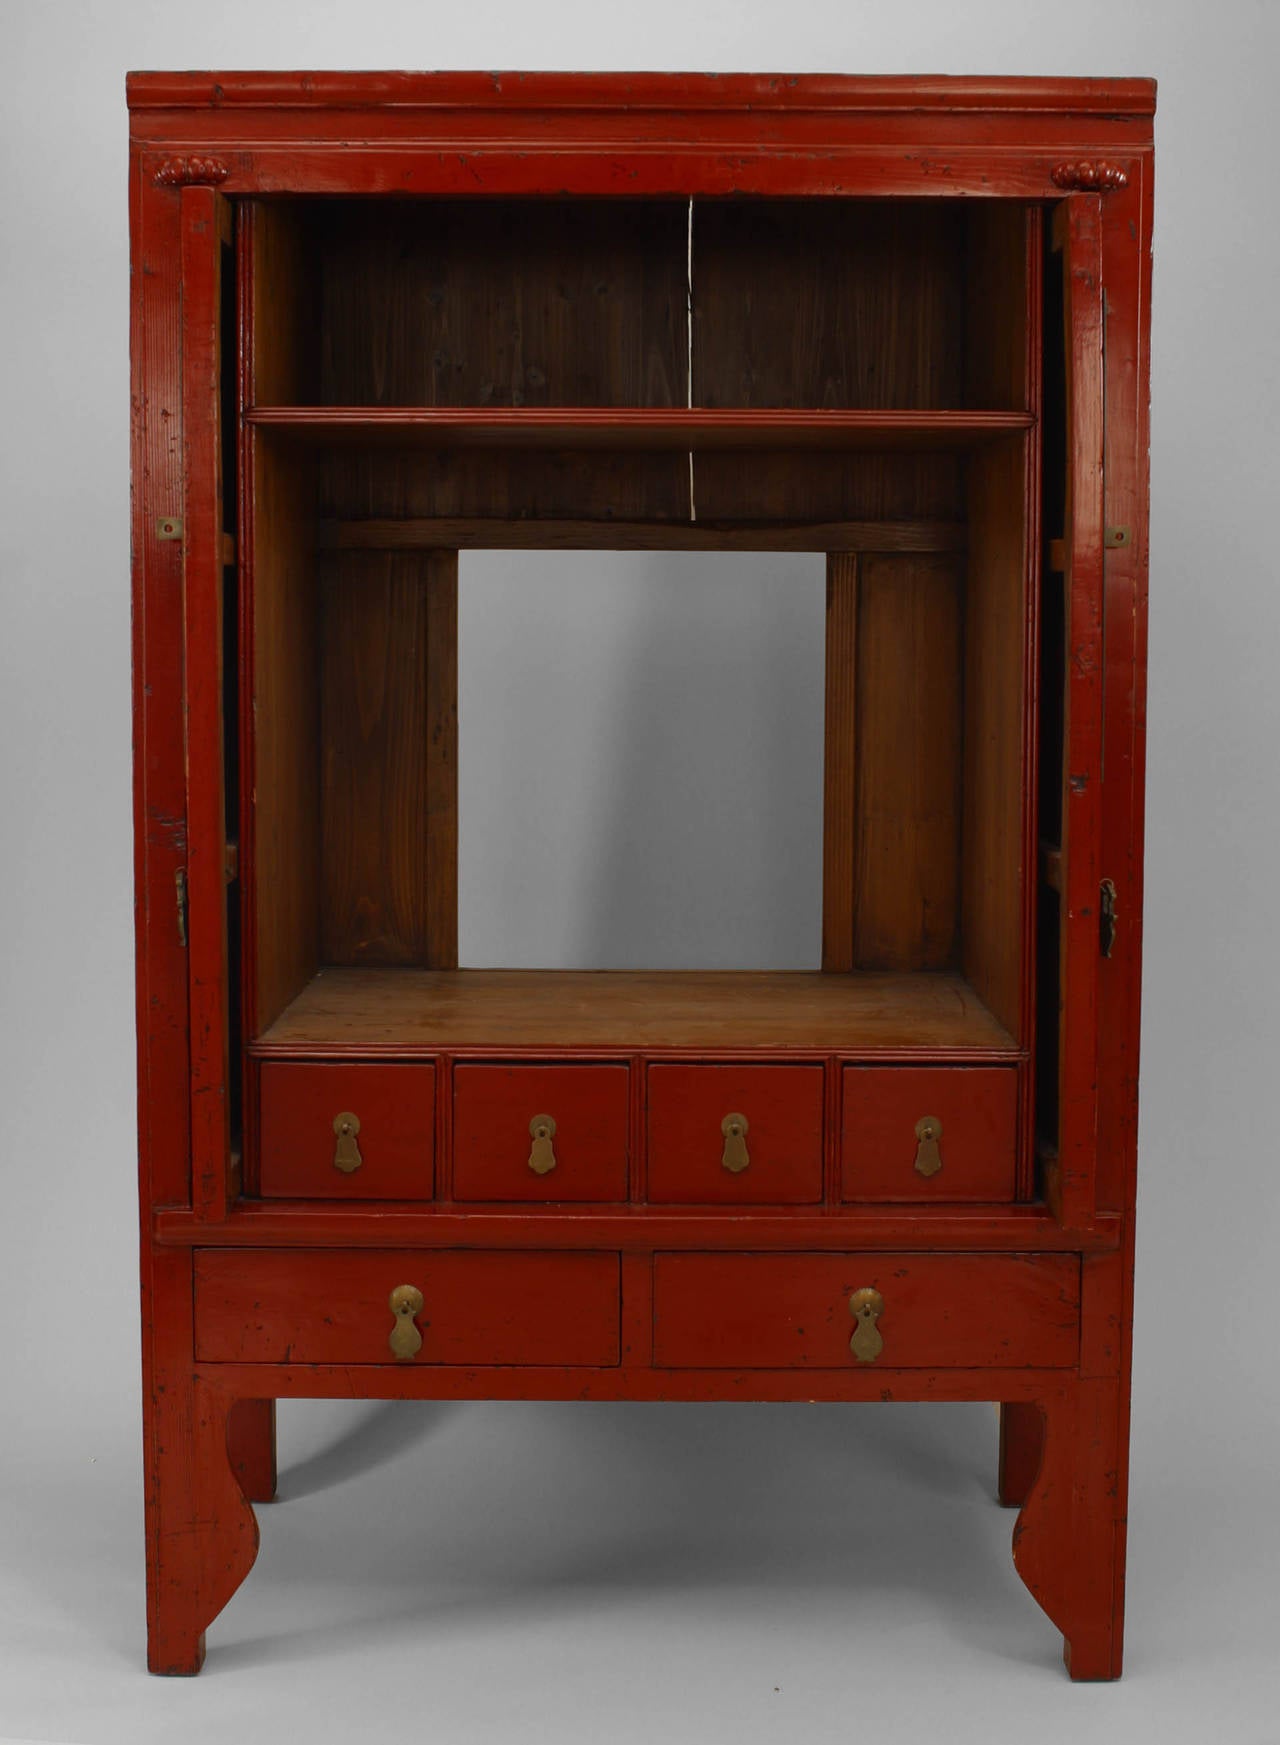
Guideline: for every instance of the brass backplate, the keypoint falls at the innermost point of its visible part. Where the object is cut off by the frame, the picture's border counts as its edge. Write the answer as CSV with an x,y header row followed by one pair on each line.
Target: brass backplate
x,y
735,1156
866,1306
928,1155
346,1153
542,1157
405,1303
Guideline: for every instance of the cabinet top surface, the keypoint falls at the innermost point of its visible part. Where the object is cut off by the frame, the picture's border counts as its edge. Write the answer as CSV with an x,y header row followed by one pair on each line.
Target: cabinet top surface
x,y
631,91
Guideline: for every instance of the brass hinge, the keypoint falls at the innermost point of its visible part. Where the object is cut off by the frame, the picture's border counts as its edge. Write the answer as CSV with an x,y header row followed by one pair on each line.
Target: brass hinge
x,y
180,892
1107,917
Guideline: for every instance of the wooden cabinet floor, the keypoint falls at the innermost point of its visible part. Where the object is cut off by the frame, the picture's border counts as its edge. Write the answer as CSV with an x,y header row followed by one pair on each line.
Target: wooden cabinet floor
x,y
382,320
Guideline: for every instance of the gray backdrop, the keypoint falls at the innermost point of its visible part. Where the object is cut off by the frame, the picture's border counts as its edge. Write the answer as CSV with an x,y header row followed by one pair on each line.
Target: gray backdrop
x,y
515,1573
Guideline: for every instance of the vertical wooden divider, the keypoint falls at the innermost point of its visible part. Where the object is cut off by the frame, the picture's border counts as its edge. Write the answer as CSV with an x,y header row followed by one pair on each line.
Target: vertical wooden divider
x,y
840,762
441,895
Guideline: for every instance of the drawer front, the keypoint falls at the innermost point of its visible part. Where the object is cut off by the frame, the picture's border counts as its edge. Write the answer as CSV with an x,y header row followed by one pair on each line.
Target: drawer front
x,y
334,1306
929,1133
735,1135
540,1133
310,1149
782,1311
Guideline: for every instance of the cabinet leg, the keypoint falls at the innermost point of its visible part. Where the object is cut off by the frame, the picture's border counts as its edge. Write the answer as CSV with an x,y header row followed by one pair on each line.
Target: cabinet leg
x,y
1021,1445
202,1537
1069,1539
251,1445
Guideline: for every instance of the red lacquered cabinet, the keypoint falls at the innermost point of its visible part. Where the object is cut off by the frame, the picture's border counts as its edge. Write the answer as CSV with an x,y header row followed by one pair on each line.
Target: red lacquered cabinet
x,y
898,322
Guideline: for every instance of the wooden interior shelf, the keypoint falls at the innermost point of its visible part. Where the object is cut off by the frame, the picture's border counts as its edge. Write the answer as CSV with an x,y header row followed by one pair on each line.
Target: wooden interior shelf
x,y
639,427
348,1010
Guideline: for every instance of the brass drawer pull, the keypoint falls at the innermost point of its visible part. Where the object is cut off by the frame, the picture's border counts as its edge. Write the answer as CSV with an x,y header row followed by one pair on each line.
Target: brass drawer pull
x,y
866,1306
346,1153
542,1130
928,1157
405,1303
736,1157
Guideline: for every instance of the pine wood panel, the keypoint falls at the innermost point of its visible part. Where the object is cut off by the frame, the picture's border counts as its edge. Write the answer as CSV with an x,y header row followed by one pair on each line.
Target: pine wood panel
x,y
908,755
389,758
839,762
646,429
827,303
721,1010
503,303
385,534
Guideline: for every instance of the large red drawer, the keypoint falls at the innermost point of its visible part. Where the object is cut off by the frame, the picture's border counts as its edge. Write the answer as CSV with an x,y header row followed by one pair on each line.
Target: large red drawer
x,y
784,1311
331,1306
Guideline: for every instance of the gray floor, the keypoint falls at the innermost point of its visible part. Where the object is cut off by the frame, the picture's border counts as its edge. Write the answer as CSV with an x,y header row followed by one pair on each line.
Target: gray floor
x,y
517,1573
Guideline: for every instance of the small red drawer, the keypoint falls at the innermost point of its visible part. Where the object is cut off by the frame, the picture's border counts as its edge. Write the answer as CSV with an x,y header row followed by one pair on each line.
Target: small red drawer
x,y
540,1133
333,1306
784,1311
929,1133
735,1135
304,1153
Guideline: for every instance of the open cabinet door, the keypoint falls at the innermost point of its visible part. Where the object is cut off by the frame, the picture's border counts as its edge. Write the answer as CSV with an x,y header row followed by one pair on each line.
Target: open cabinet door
x,y
1077,238
206,232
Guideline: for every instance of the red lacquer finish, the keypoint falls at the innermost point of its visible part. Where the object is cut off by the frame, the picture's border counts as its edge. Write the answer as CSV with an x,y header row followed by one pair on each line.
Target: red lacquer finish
x,y
496,1117
929,1135
653,1260
386,1154
693,1159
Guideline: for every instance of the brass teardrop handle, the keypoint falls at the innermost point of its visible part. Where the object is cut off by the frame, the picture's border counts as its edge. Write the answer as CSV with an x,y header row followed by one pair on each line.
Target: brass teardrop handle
x,y
542,1158
346,1153
405,1303
735,1157
928,1133
866,1306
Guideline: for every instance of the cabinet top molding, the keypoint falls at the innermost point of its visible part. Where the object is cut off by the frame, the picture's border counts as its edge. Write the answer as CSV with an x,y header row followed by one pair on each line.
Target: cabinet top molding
x,y
1116,98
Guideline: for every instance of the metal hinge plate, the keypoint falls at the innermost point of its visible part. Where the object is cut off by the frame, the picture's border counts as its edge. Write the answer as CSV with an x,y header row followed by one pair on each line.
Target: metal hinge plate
x,y
169,527
180,894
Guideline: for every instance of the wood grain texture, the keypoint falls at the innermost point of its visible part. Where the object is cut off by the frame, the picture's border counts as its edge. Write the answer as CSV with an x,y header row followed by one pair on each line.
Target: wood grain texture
x,y
375,739
999,629
749,1310
544,534
845,303
502,303
283,766
440,777
908,749
722,1010
839,805
580,428
251,1448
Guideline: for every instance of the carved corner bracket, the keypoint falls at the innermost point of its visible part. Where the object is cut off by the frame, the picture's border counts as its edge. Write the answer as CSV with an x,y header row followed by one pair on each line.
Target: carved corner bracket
x,y
184,172
1090,175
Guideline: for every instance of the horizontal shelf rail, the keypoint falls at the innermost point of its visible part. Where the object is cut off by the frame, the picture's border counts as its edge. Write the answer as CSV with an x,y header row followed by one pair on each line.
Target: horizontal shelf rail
x,y
640,427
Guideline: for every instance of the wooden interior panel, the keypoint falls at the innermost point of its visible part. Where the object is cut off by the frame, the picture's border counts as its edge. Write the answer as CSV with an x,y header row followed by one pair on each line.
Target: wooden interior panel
x,y
782,485
282,337
388,758
503,484
996,777
347,1010
907,777
1002,238
283,782
827,303
504,303
839,762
